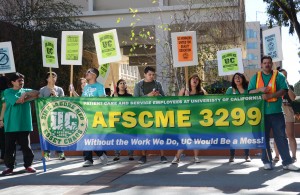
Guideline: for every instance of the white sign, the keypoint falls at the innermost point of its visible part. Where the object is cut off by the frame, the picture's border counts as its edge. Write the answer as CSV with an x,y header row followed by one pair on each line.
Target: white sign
x,y
49,50
104,70
71,47
272,43
230,61
7,62
107,46
184,48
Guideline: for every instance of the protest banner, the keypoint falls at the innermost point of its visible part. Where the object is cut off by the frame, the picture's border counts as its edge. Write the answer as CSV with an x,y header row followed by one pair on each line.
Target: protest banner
x,y
49,52
272,43
230,62
7,62
154,123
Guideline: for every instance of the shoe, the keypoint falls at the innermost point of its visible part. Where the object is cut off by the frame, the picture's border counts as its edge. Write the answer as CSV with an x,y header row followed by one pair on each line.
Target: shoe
x,y
163,159
196,159
30,170
130,158
276,159
143,160
1,161
268,166
103,159
231,159
247,159
7,171
61,156
87,163
294,159
47,156
291,167
175,160
116,158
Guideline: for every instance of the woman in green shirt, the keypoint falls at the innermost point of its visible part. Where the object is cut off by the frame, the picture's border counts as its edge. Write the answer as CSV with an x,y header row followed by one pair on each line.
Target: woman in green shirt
x,y
239,85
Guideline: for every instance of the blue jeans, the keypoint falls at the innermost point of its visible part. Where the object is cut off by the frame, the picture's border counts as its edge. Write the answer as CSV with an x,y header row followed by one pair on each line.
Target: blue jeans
x,y
276,122
88,155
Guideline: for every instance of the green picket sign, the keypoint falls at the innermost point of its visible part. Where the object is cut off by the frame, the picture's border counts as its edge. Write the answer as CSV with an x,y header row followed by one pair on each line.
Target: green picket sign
x,y
50,52
72,47
230,62
107,44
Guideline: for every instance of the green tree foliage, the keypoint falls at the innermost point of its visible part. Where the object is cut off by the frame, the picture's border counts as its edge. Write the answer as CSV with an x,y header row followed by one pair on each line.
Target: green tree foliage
x,y
284,13
26,21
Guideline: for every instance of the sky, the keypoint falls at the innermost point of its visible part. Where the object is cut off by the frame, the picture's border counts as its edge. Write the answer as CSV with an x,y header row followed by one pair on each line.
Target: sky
x,y
256,11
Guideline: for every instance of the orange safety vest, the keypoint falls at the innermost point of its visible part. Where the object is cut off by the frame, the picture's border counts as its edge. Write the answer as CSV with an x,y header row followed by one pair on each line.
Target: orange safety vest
x,y
271,85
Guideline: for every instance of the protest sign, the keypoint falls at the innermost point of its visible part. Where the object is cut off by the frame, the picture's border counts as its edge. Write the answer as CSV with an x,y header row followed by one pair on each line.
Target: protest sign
x,y
151,123
49,51
272,43
184,49
107,46
104,70
7,62
71,47
230,61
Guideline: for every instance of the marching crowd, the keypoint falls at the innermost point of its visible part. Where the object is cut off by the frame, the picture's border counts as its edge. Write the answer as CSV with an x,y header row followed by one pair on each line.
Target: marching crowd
x,y
16,119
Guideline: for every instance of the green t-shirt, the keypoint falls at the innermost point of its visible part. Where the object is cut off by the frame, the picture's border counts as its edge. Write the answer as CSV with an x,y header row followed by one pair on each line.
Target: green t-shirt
x,y
229,91
271,107
17,117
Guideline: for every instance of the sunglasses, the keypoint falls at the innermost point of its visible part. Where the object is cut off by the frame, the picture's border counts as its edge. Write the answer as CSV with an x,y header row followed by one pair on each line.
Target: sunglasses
x,y
89,71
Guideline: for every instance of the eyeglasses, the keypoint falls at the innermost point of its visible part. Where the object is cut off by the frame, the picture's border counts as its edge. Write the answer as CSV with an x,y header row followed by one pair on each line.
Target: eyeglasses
x,y
89,71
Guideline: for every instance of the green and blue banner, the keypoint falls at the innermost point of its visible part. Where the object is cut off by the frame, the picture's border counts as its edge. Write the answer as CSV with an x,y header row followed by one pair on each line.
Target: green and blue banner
x,y
151,123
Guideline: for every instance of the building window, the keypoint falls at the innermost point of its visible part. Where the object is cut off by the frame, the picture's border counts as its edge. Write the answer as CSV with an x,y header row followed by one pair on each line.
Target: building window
x,y
250,33
251,56
252,45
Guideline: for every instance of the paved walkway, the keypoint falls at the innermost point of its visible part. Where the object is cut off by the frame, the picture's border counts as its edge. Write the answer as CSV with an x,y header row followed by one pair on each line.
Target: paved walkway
x,y
214,175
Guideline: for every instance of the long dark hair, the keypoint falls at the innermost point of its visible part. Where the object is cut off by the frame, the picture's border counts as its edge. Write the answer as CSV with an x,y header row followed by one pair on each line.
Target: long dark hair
x,y
3,83
244,81
119,81
198,87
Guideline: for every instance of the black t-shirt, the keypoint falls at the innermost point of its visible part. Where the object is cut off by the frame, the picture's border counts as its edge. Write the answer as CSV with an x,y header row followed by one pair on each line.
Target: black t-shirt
x,y
123,95
286,98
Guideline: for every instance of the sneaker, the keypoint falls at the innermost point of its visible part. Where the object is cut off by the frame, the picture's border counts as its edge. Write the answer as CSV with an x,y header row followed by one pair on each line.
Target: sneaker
x,y
61,156
175,160
268,166
30,170
116,158
196,159
142,160
294,159
87,163
231,159
291,167
47,156
163,159
103,159
7,171
130,158
247,159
